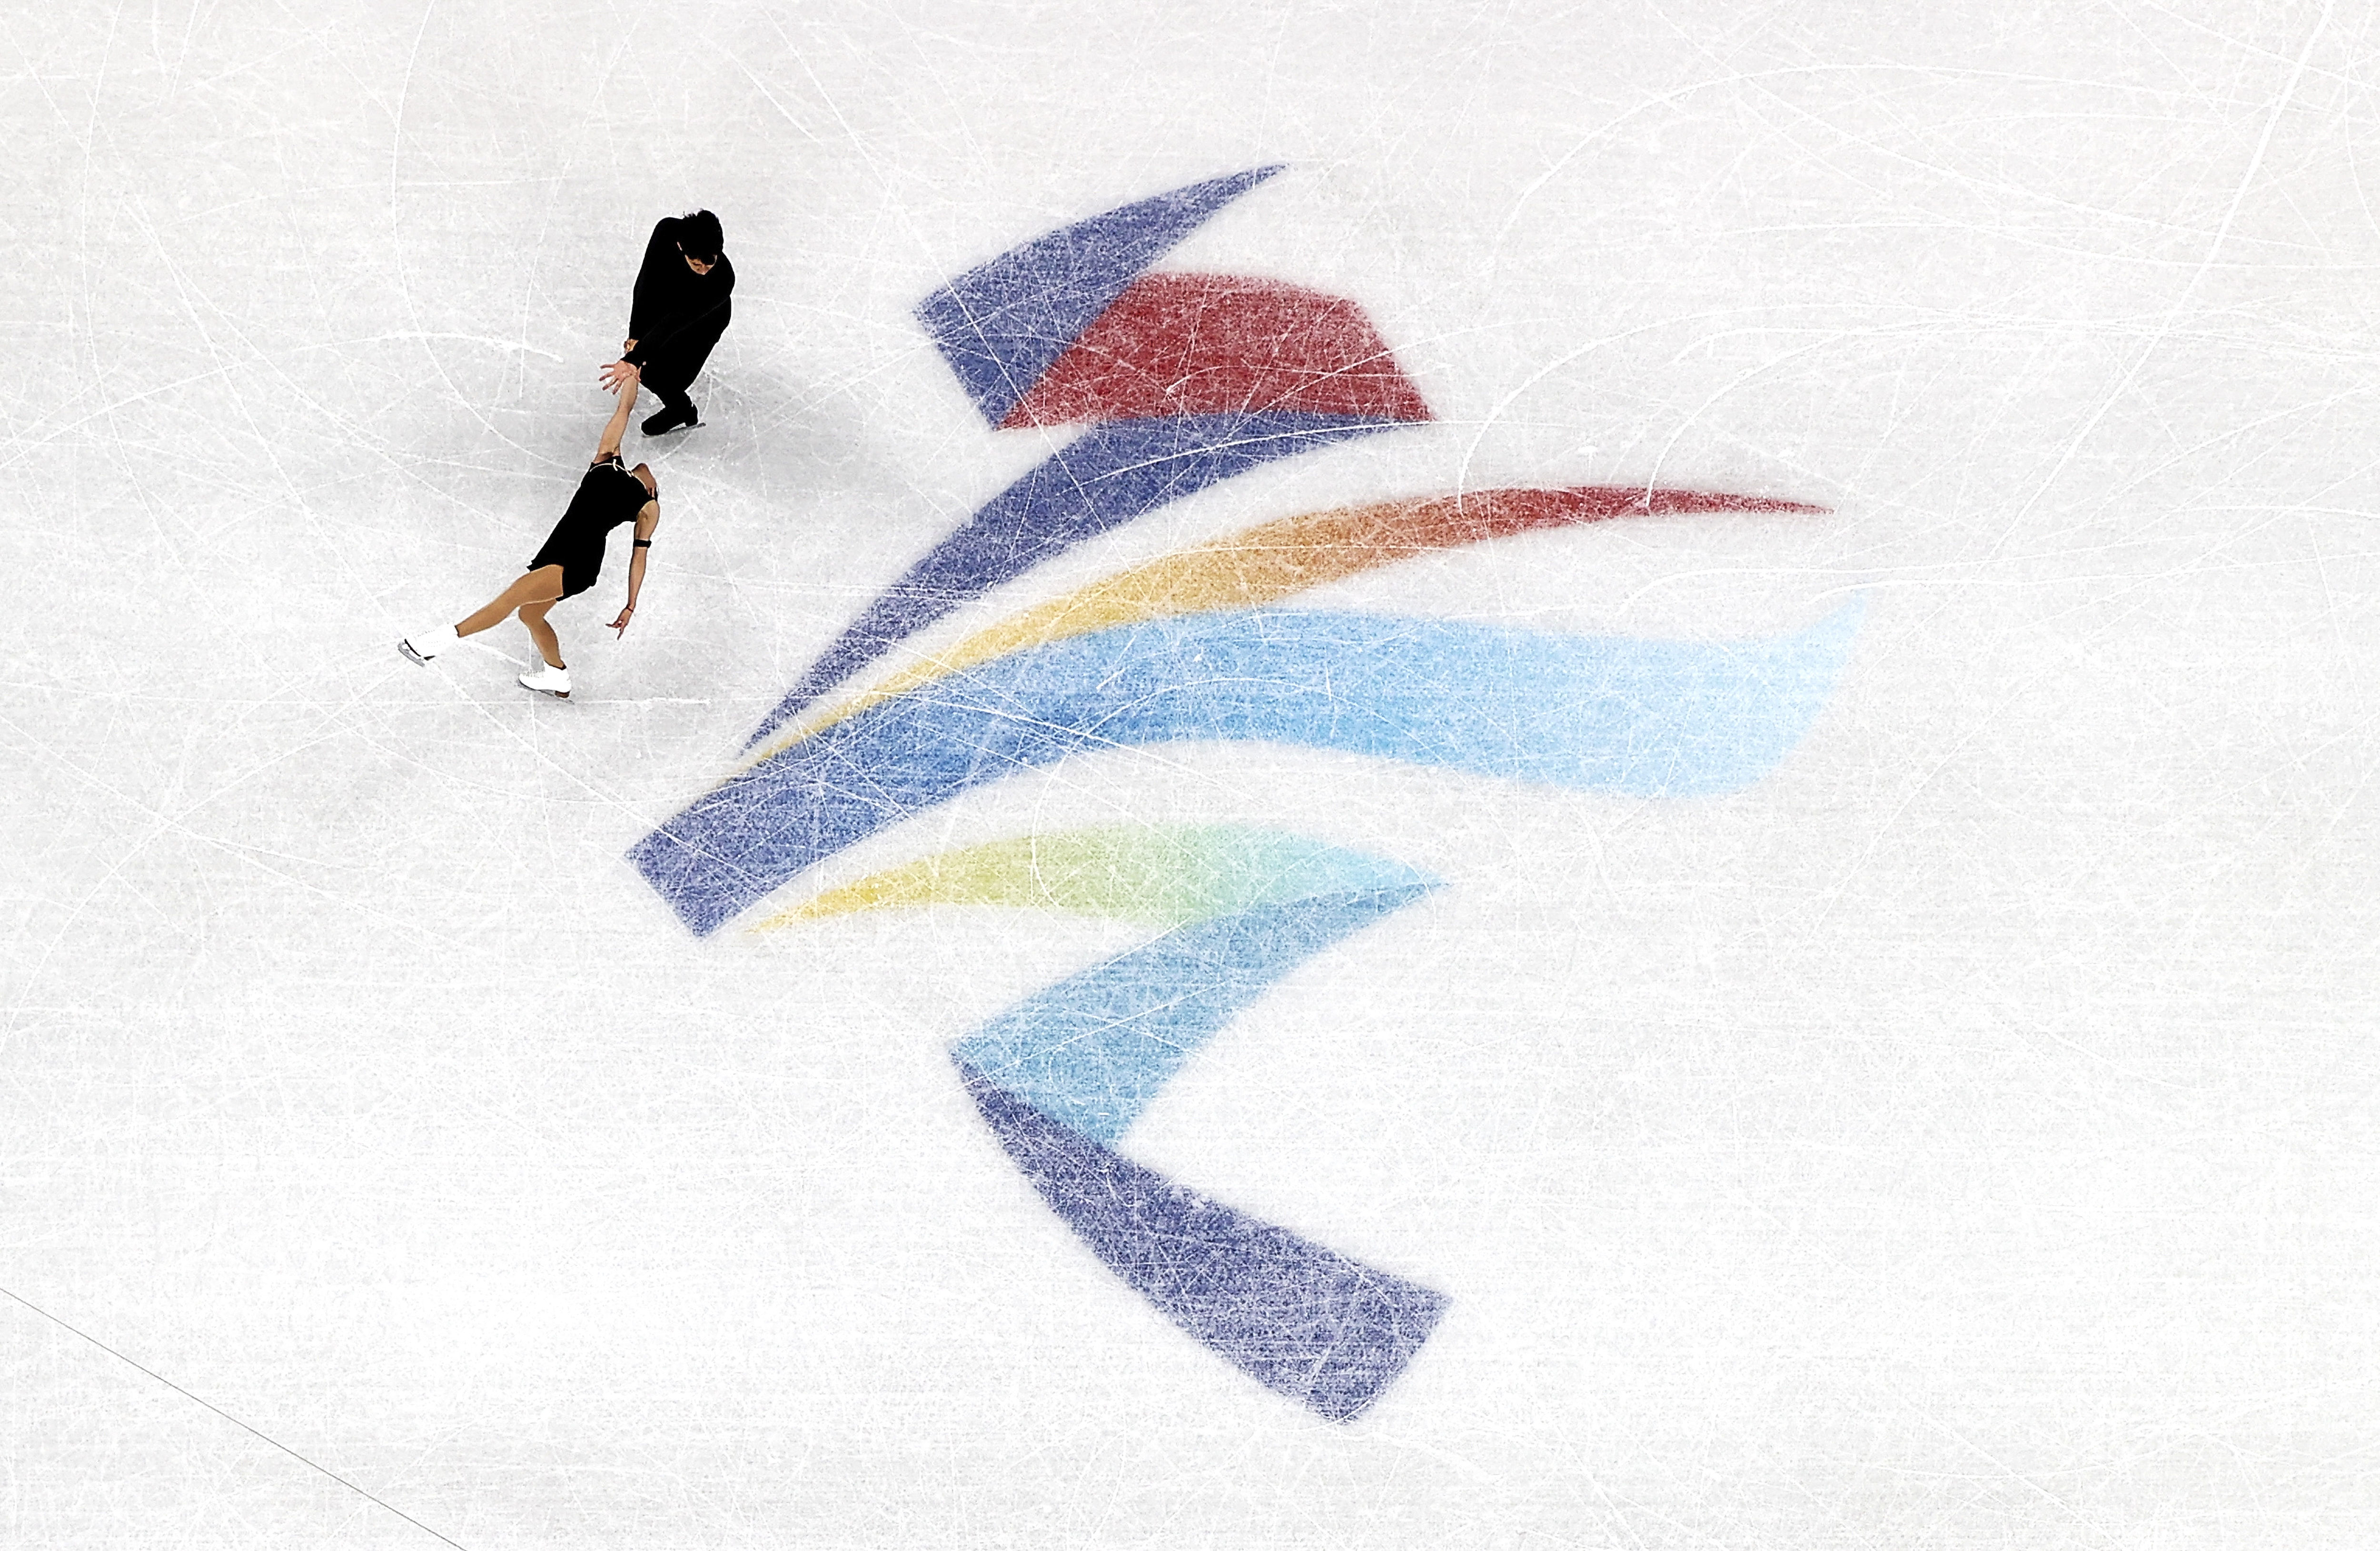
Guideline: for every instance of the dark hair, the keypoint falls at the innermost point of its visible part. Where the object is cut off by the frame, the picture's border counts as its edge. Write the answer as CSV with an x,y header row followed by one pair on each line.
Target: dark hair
x,y
698,236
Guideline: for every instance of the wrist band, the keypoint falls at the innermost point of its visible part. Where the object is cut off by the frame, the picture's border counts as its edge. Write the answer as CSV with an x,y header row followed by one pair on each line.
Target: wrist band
x,y
644,543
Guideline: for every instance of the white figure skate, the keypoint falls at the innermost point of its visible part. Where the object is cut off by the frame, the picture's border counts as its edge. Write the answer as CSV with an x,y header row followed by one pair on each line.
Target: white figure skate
x,y
427,645
548,679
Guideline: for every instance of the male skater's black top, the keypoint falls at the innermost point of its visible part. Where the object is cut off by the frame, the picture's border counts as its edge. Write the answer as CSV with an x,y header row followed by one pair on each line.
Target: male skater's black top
x,y
678,315
608,495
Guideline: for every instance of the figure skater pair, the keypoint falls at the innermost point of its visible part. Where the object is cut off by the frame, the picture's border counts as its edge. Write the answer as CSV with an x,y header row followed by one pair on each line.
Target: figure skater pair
x,y
680,308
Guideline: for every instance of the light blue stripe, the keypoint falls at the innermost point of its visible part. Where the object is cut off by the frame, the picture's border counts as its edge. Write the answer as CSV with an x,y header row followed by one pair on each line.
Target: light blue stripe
x,y
1091,1052
1675,719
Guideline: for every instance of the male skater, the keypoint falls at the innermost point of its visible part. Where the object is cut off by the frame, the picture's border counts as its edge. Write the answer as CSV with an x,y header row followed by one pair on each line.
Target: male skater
x,y
680,310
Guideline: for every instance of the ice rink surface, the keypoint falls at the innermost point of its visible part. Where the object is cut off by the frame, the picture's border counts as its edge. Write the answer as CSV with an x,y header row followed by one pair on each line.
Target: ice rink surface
x,y
1962,1135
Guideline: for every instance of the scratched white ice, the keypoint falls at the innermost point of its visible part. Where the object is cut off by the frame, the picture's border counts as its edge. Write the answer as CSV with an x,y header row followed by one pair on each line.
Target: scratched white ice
x,y
1963,1136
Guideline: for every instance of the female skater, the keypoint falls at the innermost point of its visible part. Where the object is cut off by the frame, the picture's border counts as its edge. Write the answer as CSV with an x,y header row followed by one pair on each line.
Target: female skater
x,y
573,554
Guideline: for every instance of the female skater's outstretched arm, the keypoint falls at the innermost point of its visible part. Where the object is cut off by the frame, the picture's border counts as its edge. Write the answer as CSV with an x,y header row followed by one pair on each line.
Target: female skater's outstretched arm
x,y
617,425
647,520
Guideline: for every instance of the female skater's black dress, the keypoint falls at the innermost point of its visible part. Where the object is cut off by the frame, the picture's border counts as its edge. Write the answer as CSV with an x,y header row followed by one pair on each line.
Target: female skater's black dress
x,y
608,495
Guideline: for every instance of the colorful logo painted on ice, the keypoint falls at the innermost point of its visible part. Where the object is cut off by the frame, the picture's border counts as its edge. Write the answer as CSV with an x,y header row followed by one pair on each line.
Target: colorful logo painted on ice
x,y
1184,380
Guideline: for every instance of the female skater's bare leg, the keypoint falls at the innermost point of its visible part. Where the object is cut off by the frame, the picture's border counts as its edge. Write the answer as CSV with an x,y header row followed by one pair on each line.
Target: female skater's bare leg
x,y
539,590
540,585
548,644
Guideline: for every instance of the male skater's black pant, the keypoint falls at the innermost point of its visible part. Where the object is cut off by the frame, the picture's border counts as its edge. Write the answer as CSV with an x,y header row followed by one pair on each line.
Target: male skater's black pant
x,y
668,377
674,400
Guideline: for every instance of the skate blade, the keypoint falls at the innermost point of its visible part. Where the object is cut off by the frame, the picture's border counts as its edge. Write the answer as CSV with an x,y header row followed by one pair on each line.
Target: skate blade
x,y
549,693
404,648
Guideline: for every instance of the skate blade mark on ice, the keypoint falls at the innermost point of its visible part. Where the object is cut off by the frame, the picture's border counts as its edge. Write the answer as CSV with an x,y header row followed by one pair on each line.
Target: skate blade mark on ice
x,y
1189,380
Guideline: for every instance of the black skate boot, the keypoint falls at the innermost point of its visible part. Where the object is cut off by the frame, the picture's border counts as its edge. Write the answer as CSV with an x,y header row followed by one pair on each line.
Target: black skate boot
x,y
670,419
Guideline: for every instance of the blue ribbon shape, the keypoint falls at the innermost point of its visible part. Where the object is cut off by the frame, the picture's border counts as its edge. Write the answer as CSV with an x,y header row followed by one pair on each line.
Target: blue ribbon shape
x,y
1642,717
